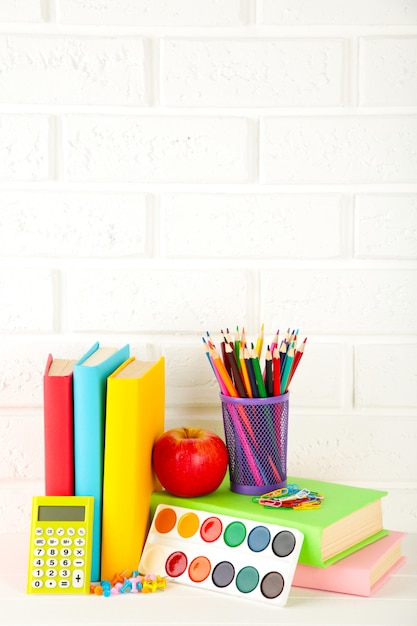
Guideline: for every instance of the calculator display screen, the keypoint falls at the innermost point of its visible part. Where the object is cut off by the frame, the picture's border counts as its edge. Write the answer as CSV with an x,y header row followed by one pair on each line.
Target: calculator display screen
x,y
61,513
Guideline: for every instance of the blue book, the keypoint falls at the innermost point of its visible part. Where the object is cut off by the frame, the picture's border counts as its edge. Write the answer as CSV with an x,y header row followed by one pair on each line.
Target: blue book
x,y
89,396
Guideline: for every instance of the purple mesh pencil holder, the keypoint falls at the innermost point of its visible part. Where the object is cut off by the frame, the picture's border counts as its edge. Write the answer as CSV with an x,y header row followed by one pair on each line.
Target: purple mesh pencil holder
x,y
256,433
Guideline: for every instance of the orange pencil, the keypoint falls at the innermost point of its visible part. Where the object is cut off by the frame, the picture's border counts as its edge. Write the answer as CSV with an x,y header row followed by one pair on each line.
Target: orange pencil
x,y
242,340
245,374
223,373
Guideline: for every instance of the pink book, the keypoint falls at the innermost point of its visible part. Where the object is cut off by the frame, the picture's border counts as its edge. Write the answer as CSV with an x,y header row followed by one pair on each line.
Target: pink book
x,y
360,573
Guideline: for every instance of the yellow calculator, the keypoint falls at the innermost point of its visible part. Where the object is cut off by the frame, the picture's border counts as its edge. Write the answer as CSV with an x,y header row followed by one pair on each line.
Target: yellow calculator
x,y
61,536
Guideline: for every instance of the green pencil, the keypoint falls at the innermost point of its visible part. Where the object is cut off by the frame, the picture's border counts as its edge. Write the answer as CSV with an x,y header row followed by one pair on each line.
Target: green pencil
x,y
258,374
287,367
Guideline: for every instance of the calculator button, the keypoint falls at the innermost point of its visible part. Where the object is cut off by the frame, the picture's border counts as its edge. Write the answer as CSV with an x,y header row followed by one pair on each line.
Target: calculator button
x,y
65,552
52,552
64,573
79,562
79,552
79,541
50,584
77,578
53,541
70,532
60,532
39,552
81,532
64,584
52,562
66,541
37,573
38,532
38,562
37,584
49,532
51,573
39,542
65,562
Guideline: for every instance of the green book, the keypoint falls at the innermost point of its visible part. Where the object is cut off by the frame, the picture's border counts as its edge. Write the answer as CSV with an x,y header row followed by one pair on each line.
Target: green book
x,y
348,519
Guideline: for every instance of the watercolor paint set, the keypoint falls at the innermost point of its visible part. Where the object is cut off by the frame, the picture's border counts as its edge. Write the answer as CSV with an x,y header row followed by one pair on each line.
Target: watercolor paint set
x,y
239,557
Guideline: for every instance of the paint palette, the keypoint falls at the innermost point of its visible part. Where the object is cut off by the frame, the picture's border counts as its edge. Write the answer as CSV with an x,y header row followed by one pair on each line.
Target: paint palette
x,y
238,557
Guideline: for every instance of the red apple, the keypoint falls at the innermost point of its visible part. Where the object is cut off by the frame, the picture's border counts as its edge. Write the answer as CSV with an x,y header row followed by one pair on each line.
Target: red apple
x,y
190,461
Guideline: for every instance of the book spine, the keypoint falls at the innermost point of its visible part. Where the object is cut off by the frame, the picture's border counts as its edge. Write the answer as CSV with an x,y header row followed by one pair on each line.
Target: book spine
x,y
58,435
88,449
121,498
90,385
134,420
350,581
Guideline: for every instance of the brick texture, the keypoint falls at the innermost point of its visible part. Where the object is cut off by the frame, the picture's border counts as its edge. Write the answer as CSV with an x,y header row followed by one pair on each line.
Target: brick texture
x,y
172,168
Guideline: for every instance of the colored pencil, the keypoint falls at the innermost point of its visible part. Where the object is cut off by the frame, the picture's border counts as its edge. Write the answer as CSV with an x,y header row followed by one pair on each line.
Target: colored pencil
x,y
237,346
245,374
237,378
274,343
207,351
223,344
268,373
251,373
222,386
258,374
283,354
276,372
260,341
242,339
238,368
223,373
287,368
297,358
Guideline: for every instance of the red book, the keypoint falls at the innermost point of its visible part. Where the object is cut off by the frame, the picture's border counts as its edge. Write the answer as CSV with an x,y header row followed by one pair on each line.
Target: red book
x,y
58,427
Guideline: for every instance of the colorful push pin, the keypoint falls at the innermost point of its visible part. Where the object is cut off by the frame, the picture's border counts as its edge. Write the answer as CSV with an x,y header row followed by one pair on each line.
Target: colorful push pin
x,y
161,582
134,580
150,583
117,578
126,587
106,585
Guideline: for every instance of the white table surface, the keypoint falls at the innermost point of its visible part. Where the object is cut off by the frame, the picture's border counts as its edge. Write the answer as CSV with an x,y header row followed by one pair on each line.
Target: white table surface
x,y
394,604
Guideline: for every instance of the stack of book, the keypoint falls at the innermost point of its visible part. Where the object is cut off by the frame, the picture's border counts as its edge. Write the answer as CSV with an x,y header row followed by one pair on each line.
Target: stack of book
x,y
345,549
102,416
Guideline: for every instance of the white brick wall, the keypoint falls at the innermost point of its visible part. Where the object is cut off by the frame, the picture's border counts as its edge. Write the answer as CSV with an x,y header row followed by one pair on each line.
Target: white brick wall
x,y
171,168
251,72
46,69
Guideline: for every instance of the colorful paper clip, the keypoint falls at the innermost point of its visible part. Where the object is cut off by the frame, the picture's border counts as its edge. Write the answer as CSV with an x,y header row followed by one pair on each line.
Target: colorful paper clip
x,y
291,497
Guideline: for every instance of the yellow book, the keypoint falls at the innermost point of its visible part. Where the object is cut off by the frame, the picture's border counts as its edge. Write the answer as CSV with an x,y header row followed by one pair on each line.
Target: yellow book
x,y
134,421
